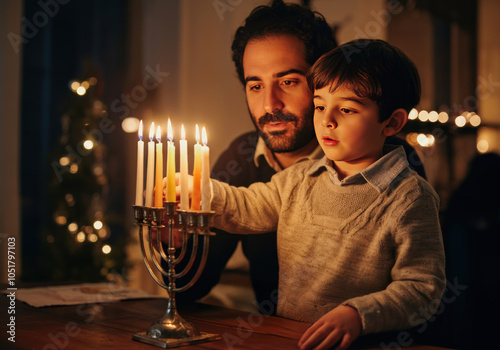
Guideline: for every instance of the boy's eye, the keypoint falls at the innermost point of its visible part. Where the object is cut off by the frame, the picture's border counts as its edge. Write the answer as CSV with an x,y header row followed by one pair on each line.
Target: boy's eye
x,y
347,110
319,108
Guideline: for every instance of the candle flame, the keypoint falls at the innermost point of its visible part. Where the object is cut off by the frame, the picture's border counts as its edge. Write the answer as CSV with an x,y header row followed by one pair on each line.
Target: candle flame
x,y
158,134
140,130
183,132
197,134
204,136
170,133
152,131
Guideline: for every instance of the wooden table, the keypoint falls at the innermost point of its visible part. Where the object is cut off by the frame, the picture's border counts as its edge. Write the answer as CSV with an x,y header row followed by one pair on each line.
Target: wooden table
x,y
111,326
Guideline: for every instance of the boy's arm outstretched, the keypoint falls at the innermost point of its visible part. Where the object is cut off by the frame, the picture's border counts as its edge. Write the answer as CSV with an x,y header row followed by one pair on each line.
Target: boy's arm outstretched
x,y
246,210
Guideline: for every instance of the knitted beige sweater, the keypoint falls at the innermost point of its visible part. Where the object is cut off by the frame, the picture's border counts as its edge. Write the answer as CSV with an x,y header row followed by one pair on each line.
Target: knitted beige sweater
x,y
372,240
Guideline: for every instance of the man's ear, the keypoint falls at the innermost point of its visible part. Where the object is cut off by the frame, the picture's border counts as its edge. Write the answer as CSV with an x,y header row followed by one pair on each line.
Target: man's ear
x,y
395,123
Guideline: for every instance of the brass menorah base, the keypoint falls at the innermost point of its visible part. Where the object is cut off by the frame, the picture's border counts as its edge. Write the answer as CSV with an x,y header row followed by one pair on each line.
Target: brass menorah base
x,y
172,330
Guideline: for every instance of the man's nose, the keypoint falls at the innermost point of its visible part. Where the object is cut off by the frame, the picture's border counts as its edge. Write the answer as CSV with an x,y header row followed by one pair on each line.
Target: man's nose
x,y
272,100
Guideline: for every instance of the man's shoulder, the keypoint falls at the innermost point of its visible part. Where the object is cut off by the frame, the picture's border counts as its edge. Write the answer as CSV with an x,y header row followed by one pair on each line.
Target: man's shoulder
x,y
236,164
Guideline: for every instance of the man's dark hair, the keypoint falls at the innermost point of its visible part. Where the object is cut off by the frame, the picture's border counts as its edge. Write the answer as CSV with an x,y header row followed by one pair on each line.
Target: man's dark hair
x,y
373,69
279,19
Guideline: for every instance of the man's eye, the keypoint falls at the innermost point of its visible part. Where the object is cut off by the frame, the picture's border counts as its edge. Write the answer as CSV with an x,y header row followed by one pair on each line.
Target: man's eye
x,y
254,87
289,82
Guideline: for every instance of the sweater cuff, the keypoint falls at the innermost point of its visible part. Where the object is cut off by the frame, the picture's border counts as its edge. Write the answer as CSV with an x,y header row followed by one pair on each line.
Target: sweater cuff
x,y
370,313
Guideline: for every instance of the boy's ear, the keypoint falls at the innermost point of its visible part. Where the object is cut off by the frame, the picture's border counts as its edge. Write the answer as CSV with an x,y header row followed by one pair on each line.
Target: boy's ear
x,y
395,122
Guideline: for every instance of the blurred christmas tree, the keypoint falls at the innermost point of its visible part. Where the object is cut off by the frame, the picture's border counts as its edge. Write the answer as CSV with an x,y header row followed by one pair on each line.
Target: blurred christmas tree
x,y
79,244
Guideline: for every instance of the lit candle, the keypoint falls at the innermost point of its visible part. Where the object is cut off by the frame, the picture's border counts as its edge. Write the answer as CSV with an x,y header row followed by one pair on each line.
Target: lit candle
x,y
205,173
159,171
151,168
184,170
139,188
195,201
171,197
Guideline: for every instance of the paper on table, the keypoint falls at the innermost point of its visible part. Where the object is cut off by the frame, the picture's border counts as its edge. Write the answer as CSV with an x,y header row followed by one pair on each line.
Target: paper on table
x,y
87,293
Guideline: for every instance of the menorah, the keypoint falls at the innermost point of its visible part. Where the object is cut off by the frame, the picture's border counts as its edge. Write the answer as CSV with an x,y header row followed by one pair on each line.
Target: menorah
x,y
172,330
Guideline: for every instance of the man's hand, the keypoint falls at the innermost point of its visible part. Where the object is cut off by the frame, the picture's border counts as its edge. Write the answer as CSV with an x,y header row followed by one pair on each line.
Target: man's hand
x,y
339,327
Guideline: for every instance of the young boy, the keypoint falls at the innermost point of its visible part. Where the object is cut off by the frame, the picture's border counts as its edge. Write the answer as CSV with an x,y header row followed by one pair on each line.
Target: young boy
x,y
359,241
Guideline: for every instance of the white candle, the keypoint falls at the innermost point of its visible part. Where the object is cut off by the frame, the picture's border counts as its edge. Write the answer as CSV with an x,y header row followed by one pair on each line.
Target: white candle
x,y
151,168
184,170
139,188
159,171
205,173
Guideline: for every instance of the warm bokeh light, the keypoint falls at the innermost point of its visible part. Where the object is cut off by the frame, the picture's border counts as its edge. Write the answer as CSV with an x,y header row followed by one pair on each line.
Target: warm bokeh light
x,y
73,227
102,233
411,138
443,117
75,85
475,120
98,224
64,161
106,249
88,144
81,90
73,169
130,125
93,238
460,121
483,146
425,140
433,116
413,114
80,237
61,220
423,116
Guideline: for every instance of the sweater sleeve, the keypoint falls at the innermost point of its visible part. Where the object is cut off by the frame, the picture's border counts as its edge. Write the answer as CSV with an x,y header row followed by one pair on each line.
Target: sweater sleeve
x,y
246,210
418,277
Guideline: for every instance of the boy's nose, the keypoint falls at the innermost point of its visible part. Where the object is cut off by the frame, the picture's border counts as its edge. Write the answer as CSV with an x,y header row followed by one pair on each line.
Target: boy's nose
x,y
272,101
329,122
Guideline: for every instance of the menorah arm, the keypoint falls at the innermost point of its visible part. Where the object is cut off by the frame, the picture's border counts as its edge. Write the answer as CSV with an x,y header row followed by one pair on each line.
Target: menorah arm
x,y
187,268
200,268
144,257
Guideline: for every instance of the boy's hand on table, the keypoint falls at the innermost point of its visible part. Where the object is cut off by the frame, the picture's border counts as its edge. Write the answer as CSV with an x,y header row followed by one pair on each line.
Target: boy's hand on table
x,y
339,327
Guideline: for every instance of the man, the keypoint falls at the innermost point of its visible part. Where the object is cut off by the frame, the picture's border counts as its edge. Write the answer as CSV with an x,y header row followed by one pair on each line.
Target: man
x,y
273,73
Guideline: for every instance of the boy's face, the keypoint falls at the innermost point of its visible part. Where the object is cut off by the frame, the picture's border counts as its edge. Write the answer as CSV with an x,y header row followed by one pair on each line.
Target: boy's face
x,y
278,96
348,129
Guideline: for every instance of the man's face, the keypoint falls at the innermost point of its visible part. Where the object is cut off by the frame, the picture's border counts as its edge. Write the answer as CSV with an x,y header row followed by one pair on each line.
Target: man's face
x,y
278,96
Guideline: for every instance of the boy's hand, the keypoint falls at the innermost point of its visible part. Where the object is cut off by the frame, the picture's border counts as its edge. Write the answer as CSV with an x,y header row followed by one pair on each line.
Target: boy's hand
x,y
177,236
339,327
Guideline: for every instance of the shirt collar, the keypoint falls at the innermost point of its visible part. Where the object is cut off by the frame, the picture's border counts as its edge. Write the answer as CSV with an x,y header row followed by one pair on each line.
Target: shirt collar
x,y
261,150
380,174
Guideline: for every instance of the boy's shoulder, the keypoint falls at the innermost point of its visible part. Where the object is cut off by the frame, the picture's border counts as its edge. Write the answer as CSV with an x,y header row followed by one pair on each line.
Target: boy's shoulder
x,y
410,186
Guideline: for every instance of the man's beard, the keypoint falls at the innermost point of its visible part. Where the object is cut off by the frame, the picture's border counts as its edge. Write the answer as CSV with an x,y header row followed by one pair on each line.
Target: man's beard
x,y
280,141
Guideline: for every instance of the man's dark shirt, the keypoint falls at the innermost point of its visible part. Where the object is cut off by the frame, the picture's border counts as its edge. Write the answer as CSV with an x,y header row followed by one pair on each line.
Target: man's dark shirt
x,y
236,166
